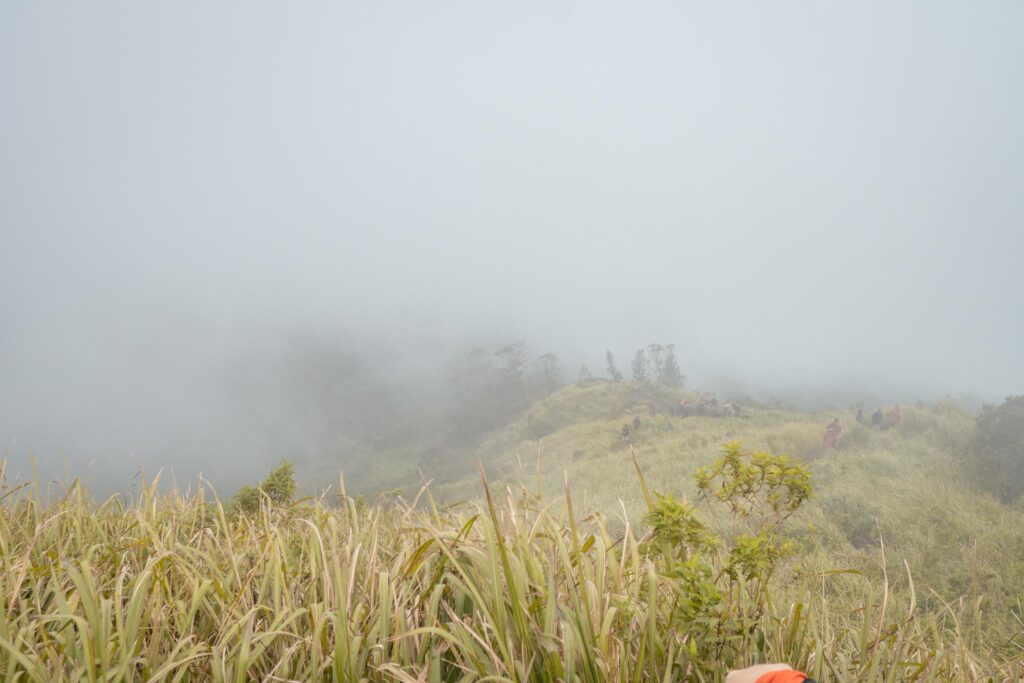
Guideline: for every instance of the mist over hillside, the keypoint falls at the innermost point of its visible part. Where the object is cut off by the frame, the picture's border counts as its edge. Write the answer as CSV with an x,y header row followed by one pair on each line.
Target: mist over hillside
x,y
550,341
316,399
199,245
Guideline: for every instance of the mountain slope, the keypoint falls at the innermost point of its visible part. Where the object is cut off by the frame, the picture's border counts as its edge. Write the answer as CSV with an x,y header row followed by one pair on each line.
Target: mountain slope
x,y
897,493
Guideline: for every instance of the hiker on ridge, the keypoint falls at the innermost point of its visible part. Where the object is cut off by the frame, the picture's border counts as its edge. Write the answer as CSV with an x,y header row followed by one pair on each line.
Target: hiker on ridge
x,y
702,404
832,433
895,416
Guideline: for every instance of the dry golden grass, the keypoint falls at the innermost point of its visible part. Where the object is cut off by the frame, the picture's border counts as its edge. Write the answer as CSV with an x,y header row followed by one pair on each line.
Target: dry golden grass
x,y
516,587
175,588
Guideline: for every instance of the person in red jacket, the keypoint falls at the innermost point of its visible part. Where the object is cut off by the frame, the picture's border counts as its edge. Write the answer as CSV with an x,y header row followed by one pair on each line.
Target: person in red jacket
x,y
768,673
832,432
895,416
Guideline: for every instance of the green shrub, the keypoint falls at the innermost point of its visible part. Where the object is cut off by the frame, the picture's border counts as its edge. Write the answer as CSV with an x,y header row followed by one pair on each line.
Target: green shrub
x,y
720,584
277,489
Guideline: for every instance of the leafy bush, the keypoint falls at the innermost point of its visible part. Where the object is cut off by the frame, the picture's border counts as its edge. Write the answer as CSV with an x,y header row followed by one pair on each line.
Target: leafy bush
x,y
720,583
756,483
277,489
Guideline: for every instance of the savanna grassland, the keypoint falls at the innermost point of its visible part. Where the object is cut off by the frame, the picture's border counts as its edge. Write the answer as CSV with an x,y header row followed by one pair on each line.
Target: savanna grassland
x,y
569,556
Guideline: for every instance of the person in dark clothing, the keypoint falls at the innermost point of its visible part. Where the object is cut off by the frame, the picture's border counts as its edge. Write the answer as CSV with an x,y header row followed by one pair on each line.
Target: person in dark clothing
x,y
860,416
876,418
625,433
702,404
636,423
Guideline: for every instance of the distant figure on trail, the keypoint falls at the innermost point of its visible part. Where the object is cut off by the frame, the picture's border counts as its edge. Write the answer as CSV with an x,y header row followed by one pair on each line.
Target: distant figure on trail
x,y
625,433
636,423
653,409
894,417
860,416
876,418
832,432
702,404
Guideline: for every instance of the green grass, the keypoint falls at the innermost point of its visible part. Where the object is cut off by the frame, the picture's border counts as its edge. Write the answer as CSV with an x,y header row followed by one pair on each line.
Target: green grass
x,y
901,488
898,571
518,589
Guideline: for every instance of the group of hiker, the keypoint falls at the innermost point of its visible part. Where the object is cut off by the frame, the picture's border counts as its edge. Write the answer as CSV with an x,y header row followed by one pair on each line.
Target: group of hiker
x,y
705,406
879,420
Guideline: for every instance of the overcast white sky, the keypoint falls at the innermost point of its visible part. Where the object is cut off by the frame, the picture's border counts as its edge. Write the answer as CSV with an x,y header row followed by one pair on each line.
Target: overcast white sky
x,y
794,193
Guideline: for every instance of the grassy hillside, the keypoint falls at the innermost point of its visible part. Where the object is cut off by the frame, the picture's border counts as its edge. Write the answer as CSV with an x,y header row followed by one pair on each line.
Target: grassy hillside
x,y
891,500
511,589
893,570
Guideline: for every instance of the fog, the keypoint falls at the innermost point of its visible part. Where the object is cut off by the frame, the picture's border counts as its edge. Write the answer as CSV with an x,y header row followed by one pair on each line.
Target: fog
x,y
200,200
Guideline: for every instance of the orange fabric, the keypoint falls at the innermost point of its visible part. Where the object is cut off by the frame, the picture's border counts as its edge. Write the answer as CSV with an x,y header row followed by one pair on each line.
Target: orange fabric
x,y
785,676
